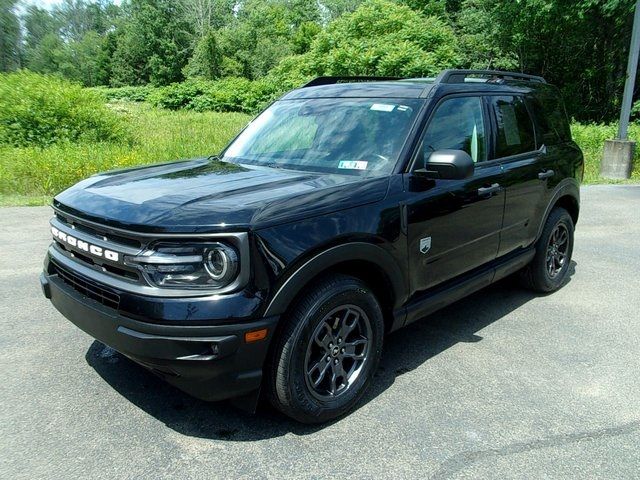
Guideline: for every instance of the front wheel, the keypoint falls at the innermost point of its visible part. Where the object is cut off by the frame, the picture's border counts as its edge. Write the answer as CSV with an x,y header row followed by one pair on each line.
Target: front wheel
x,y
327,351
550,265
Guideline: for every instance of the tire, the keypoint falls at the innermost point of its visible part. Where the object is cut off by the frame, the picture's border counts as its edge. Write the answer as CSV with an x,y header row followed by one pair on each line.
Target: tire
x,y
310,355
541,275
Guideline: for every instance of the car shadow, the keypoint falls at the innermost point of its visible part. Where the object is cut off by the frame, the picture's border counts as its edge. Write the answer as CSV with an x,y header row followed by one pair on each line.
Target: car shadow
x,y
405,350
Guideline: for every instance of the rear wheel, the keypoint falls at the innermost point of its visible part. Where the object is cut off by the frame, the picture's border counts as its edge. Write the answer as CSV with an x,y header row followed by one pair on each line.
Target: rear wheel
x,y
550,265
327,351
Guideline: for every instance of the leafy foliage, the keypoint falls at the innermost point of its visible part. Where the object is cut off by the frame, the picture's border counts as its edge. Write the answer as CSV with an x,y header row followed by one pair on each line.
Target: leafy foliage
x,y
379,38
129,94
37,110
225,95
579,45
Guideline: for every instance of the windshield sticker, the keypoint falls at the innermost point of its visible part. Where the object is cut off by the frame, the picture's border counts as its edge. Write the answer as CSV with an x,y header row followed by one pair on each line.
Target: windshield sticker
x,y
353,164
382,107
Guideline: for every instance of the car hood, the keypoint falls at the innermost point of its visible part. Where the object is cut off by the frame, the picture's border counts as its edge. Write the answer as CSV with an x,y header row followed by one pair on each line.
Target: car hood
x,y
208,195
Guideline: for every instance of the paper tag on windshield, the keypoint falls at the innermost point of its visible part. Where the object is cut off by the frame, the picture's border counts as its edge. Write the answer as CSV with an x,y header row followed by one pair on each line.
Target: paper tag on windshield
x,y
353,164
382,107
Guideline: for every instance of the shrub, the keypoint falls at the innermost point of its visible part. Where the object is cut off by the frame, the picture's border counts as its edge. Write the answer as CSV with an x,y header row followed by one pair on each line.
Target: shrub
x,y
128,94
225,95
40,110
178,95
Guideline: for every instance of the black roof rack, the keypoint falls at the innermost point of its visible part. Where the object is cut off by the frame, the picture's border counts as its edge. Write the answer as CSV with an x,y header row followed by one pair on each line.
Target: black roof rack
x,y
446,76
333,80
459,76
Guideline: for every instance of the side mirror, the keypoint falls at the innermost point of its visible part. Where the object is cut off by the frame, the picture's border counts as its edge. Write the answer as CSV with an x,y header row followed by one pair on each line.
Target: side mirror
x,y
448,165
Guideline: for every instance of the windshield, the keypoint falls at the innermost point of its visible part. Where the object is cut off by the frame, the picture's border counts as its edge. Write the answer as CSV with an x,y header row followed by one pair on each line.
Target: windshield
x,y
335,135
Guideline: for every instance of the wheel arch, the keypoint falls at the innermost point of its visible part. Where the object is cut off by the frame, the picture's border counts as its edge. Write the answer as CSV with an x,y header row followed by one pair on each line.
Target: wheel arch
x,y
567,196
570,204
370,263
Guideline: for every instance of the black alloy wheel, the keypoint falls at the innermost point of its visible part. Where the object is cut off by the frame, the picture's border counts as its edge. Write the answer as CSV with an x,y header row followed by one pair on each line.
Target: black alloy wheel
x,y
557,250
324,357
549,268
337,351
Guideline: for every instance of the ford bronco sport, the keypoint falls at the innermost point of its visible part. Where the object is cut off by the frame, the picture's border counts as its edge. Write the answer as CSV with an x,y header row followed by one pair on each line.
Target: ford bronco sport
x,y
347,209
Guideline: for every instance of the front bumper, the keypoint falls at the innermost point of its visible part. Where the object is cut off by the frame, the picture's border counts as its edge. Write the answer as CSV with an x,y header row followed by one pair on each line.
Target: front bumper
x,y
210,362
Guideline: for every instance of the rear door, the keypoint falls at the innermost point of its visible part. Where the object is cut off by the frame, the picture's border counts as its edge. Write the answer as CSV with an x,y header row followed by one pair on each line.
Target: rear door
x,y
528,170
454,225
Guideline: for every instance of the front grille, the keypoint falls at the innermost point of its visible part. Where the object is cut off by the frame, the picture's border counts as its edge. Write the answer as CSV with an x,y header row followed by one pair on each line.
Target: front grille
x,y
103,237
87,287
105,267
98,232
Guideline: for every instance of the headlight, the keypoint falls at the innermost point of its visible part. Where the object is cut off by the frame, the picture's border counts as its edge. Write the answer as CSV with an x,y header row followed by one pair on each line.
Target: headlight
x,y
188,266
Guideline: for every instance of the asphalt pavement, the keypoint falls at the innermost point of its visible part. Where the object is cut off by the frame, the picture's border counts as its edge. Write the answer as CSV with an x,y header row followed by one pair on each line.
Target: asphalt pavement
x,y
504,384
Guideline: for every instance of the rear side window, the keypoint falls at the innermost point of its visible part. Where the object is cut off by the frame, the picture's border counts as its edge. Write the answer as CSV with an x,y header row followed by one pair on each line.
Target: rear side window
x,y
515,132
550,117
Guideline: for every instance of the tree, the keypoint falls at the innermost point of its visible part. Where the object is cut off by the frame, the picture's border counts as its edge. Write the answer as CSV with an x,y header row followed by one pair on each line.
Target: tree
x,y
205,15
206,61
379,38
82,60
580,45
260,36
79,17
9,36
38,23
47,55
152,46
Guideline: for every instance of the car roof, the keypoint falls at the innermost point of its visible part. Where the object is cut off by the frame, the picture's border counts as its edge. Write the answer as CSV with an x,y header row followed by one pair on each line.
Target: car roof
x,y
411,88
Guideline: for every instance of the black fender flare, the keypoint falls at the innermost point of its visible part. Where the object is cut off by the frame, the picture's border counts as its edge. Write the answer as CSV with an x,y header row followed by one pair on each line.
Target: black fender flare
x,y
567,187
359,251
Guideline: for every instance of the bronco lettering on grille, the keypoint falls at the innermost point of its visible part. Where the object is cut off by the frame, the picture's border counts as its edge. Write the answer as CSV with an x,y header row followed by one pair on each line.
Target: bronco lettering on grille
x,y
85,246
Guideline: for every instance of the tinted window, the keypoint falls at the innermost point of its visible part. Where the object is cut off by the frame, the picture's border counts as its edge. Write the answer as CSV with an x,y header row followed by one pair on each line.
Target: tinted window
x,y
457,124
551,118
515,129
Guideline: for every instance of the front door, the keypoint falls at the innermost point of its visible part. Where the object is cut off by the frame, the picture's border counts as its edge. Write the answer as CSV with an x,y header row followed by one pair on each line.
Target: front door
x,y
454,225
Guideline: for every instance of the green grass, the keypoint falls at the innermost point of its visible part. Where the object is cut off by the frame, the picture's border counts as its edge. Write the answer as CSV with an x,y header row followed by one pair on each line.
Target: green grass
x,y
591,139
31,175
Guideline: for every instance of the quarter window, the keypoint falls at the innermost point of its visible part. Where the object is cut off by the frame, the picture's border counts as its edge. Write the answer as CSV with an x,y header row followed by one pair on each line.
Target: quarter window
x,y
515,129
457,124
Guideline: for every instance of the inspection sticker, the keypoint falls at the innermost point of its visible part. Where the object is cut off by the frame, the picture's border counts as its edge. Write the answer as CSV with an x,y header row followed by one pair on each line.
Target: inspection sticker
x,y
382,107
353,164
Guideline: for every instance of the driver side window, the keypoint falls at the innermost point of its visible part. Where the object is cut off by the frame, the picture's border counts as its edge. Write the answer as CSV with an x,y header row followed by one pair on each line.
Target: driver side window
x,y
457,124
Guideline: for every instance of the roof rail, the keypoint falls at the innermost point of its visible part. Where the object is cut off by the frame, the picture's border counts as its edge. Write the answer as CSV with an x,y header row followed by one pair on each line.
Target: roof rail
x,y
459,76
333,80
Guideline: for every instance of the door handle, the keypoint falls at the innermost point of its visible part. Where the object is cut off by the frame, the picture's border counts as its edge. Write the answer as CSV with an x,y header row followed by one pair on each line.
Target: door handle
x,y
546,174
488,191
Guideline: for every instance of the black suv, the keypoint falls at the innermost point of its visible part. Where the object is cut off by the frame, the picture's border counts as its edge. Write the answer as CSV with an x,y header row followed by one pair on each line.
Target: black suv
x,y
347,209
